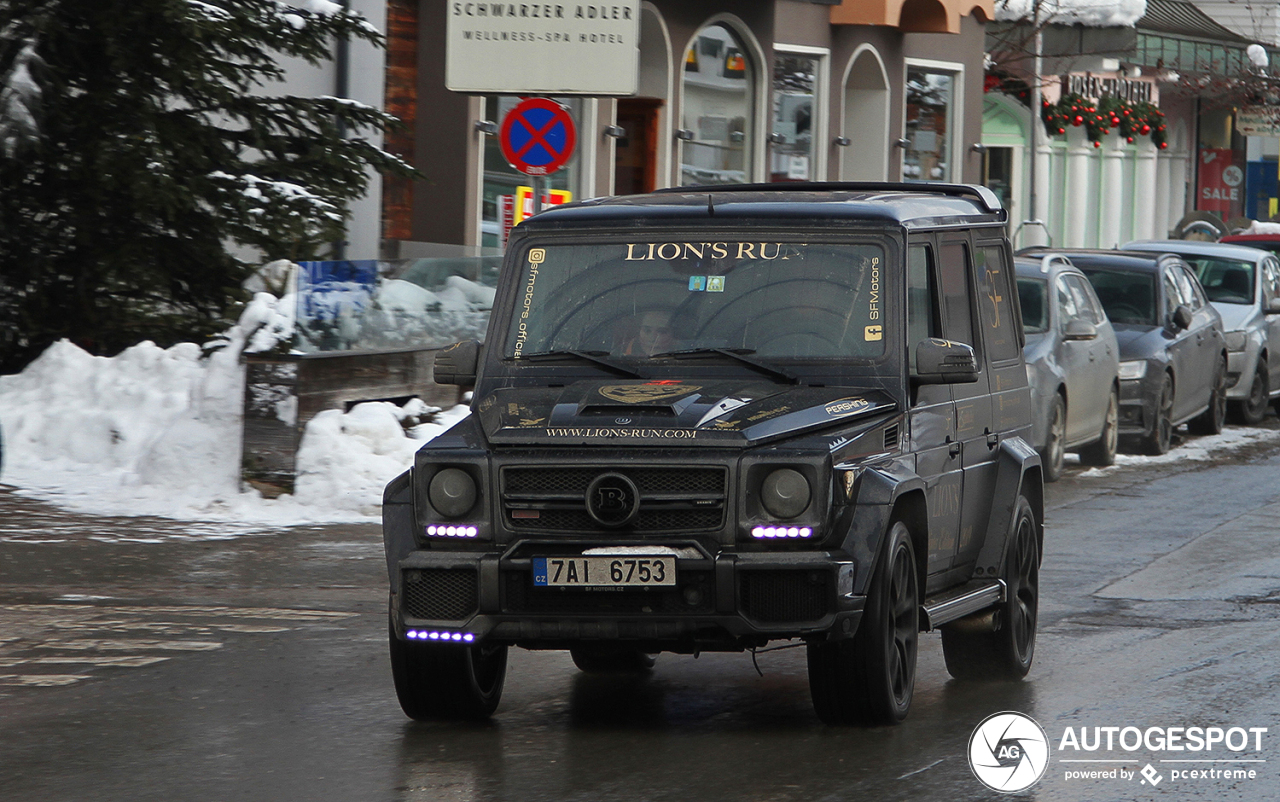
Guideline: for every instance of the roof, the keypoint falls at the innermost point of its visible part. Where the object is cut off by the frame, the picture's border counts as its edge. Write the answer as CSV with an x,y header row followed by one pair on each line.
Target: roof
x,y
1084,258
1184,247
1181,18
916,205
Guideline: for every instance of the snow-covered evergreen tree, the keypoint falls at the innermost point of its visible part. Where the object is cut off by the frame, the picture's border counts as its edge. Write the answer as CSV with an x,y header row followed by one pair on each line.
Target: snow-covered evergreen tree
x,y
140,139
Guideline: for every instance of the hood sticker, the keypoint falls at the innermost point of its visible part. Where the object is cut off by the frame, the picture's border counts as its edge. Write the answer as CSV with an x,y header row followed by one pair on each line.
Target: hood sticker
x,y
646,393
846,406
637,434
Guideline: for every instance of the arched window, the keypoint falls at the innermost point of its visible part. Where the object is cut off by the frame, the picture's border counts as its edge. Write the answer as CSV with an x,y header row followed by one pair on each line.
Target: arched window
x,y
718,108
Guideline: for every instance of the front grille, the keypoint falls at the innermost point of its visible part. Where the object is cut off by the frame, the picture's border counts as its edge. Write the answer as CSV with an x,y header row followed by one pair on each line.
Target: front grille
x,y
439,594
671,499
777,596
693,595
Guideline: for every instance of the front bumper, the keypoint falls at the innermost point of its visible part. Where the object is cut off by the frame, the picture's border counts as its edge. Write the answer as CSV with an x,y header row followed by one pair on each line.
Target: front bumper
x,y
720,602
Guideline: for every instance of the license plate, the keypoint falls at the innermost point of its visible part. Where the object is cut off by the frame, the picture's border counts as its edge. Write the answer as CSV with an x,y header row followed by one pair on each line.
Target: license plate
x,y
595,572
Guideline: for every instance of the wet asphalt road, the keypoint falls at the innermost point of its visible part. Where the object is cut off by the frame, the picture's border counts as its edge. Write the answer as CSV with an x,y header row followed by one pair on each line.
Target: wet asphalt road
x,y
147,659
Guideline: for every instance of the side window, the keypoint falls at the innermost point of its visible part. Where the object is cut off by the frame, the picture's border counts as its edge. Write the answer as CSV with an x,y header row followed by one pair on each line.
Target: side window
x,y
995,303
1068,308
1086,303
1187,288
922,304
1172,295
1197,289
957,322
1271,279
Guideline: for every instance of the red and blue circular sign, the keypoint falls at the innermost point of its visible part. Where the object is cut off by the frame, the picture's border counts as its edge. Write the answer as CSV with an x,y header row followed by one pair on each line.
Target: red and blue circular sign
x,y
537,136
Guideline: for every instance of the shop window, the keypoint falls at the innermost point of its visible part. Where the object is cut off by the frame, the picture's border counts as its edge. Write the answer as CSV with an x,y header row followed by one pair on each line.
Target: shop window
x,y
719,86
508,193
930,124
796,92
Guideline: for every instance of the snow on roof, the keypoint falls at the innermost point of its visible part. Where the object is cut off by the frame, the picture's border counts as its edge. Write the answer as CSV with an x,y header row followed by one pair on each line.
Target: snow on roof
x,y
1092,13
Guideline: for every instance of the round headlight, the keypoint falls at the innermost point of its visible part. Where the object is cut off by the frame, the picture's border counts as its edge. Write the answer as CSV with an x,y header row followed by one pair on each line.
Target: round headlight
x,y
452,492
785,493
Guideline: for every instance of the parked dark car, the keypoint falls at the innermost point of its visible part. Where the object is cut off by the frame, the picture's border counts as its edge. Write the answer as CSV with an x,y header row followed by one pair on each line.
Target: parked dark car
x,y
1266,242
1243,284
1173,354
709,418
1073,362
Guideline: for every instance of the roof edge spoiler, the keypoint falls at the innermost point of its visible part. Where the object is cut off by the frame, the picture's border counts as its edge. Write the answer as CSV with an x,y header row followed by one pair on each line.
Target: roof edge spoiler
x,y
985,197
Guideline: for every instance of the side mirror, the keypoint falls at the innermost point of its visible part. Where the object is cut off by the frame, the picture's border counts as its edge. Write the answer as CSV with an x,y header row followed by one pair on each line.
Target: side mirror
x,y
944,362
1273,306
1079,329
1182,318
457,363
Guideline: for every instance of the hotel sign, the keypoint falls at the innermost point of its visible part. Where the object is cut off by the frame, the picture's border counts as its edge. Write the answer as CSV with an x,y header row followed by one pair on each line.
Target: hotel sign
x,y
1097,86
543,48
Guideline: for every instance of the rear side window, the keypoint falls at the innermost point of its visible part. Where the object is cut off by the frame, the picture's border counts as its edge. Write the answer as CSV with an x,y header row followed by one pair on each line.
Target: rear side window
x,y
995,304
958,321
1034,304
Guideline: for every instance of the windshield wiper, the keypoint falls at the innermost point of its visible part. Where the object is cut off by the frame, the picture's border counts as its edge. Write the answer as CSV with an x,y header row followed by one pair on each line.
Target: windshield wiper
x,y
598,357
738,354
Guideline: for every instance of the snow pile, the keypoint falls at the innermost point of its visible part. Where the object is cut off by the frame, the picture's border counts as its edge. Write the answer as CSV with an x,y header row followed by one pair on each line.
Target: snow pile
x,y
1197,449
156,431
1091,13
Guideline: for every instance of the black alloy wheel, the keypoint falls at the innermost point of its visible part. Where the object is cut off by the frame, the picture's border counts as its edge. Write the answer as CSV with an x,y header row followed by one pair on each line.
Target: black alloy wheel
x,y
870,678
446,681
1103,452
977,652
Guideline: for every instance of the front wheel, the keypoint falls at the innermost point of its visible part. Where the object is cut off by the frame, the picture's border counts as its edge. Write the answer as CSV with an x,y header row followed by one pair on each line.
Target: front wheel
x,y
1103,452
870,678
1158,438
1055,446
1005,653
444,681
1253,409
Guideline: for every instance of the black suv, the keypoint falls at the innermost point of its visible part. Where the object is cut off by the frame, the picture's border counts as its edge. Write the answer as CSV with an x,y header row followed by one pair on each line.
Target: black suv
x,y
712,418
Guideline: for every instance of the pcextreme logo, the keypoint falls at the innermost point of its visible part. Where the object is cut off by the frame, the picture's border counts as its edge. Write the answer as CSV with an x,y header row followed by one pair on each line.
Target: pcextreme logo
x,y
1008,752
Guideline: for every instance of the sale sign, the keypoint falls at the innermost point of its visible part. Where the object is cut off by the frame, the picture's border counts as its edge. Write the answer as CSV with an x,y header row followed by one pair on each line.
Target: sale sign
x,y
1221,187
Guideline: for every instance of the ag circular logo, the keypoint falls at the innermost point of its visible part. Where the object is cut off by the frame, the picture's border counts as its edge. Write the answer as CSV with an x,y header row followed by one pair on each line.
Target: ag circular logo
x,y
612,500
1008,752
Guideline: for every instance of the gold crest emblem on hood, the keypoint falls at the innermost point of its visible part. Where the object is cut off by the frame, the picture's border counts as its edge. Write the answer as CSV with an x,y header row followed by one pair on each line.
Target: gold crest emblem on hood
x,y
645,393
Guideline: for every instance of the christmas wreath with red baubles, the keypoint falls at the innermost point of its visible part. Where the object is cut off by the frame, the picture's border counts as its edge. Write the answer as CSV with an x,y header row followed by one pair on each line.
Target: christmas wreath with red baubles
x,y
1130,120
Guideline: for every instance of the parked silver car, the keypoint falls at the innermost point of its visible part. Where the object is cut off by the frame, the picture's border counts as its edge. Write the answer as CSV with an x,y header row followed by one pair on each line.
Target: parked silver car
x,y
1243,284
1072,364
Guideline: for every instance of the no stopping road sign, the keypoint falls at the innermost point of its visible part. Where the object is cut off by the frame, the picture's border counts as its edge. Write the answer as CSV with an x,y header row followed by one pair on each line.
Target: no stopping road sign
x,y
537,136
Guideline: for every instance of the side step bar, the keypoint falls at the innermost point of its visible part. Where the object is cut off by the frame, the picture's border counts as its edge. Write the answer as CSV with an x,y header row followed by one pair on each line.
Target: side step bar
x,y
967,601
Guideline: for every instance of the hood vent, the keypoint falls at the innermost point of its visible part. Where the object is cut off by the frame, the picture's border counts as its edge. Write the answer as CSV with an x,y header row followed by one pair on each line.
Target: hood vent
x,y
891,438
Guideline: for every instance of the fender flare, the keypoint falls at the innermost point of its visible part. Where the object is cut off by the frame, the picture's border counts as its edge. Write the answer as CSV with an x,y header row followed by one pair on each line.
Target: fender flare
x,y
879,490
1018,473
397,525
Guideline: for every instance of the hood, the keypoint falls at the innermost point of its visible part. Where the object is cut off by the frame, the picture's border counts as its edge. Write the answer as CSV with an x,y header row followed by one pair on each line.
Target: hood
x,y
1235,316
715,413
1139,342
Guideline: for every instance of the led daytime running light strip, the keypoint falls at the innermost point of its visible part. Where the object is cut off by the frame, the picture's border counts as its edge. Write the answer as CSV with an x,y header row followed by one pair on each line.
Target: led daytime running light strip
x,y
763,532
440,530
436,635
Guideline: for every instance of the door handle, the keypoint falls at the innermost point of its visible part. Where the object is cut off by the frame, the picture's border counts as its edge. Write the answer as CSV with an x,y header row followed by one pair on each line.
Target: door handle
x,y
953,450
993,439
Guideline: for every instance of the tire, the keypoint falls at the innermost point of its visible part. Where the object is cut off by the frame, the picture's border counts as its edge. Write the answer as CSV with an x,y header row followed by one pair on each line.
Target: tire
x,y
870,678
1007,652
1103,452
1253,409
607,660
1213,419
438,681
1156,441
1051,457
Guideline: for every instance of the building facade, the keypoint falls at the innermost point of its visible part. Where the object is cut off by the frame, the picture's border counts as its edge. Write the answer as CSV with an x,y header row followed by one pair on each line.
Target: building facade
x,y
729,91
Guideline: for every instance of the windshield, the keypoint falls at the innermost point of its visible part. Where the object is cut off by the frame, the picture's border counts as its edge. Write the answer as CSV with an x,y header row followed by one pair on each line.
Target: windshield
x,y
1127,296
1226,280
1035,309
778,300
